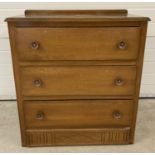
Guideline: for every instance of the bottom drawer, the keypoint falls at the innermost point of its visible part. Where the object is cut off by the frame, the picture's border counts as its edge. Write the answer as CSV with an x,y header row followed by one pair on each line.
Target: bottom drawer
x,y
78,114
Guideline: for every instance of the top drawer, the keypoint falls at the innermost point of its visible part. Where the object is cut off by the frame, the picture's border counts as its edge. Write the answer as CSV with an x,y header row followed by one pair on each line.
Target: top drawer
x,y
108,43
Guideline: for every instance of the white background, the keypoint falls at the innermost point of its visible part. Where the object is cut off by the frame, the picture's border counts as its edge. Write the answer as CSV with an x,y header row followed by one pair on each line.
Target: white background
x,y
7,88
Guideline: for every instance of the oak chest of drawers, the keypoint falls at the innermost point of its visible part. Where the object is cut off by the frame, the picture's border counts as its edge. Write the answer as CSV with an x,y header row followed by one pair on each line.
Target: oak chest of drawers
x,y
77,75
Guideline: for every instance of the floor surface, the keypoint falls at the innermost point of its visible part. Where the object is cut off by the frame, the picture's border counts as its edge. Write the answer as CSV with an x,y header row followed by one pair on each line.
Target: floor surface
x,y
144,140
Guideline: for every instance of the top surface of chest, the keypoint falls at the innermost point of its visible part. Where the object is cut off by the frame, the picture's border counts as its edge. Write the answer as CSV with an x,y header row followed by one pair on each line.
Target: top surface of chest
x,y
77,15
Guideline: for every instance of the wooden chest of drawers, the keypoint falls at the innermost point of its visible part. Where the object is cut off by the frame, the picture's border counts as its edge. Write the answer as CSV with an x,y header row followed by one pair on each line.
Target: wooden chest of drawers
x,y
77,75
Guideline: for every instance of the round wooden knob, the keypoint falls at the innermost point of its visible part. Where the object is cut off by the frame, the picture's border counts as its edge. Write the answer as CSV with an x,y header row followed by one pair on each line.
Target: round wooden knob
x,y
37,83
40,115
119,82
117,115
122,45
35,45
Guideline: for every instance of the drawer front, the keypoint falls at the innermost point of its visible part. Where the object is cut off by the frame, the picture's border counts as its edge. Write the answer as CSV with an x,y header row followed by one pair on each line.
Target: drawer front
x,y
108,43
78,113
78,80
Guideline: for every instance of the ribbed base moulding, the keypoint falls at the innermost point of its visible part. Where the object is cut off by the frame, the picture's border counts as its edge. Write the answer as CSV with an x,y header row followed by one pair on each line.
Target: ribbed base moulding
x,y
77,136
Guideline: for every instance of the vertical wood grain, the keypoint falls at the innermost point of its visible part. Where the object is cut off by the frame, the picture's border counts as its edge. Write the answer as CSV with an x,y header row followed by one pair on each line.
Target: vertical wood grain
x,y
138,77
12,31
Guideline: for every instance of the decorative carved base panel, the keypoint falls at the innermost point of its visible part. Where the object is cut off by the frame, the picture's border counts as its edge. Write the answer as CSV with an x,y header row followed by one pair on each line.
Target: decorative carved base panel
x,y
77,136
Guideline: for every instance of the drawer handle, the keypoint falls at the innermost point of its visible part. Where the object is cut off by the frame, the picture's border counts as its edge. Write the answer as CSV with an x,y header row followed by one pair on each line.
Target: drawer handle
x,y
122,45
117,115
35,45
37,83
119,82
40,116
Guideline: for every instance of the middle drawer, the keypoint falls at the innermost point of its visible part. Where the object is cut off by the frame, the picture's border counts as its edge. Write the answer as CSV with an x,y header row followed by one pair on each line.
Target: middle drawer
x,y
77,80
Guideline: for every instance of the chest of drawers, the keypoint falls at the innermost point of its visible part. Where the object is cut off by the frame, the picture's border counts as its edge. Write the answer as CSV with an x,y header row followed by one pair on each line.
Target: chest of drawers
x,y
77,75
